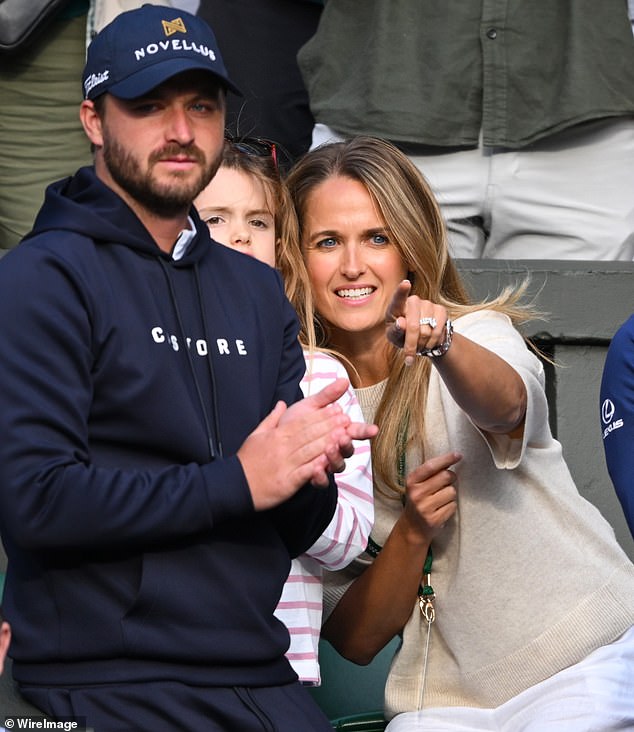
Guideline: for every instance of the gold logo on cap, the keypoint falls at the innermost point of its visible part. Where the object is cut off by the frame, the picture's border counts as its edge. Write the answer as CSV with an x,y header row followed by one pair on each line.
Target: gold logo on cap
x,y
174,26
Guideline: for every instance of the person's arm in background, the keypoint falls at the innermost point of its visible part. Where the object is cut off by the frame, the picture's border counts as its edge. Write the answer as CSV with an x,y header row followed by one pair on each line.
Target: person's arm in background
x,y
617,416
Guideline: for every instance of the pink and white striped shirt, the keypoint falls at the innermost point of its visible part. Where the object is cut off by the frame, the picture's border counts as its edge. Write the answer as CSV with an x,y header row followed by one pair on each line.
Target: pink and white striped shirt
x,y
344,538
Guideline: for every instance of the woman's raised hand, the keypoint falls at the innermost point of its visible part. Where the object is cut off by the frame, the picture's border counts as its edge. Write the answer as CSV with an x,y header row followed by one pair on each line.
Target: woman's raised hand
x,y
414,324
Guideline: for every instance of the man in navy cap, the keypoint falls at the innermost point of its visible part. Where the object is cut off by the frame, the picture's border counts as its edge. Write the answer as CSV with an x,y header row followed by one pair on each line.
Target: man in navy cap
x,y
158,470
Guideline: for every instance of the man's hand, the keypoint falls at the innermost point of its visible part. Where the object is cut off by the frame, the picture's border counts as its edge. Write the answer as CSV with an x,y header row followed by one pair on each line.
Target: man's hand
x,y
299,444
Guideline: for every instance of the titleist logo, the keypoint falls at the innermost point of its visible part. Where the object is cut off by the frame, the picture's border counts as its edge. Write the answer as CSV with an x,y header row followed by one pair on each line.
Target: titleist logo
x,y
95,79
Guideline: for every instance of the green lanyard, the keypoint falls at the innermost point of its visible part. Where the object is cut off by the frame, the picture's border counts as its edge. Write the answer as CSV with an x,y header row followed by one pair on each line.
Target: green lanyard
x,y
426,594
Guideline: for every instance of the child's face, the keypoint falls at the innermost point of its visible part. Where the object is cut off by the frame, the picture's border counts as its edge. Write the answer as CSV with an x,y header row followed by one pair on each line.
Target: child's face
x,y
235,207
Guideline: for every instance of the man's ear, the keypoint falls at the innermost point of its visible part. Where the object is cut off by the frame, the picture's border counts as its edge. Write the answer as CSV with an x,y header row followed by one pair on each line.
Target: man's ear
x,y
5,639
91,122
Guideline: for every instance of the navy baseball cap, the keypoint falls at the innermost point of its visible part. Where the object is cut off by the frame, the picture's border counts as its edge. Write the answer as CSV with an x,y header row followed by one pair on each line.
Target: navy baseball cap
x,y
142,48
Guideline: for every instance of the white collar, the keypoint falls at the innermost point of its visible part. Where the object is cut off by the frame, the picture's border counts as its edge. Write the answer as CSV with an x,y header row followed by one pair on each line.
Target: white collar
x,y
184,240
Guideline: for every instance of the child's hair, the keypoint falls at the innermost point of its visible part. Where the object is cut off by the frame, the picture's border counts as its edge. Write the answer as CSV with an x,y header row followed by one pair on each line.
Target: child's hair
x,y
263,167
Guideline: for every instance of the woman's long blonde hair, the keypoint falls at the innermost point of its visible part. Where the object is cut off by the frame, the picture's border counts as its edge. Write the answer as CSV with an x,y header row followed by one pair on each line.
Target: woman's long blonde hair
x,y
416,227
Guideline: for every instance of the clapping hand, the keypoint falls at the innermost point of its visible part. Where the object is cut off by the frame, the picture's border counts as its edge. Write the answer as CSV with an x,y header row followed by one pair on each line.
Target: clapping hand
x,y
299,444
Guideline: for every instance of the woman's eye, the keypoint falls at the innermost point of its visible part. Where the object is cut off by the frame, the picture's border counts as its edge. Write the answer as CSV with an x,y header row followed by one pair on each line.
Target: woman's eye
x,y
379,239
328,243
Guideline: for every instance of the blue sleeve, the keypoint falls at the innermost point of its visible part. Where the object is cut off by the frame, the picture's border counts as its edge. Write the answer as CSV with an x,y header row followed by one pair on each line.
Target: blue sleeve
x,y
617,416
302,519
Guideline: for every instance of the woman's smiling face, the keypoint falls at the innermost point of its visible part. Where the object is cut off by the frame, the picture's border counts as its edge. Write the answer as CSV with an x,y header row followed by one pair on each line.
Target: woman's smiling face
x,y
353,265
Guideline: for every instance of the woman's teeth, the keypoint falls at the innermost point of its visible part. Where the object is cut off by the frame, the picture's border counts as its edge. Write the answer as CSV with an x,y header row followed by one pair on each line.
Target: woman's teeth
x,y
356,292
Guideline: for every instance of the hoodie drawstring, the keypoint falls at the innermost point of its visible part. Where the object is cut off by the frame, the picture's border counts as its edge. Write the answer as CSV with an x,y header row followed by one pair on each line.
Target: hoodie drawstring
x,y
210,364
215,445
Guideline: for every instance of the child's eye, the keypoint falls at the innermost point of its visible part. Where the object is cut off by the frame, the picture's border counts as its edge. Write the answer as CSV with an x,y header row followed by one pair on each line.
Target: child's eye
x,y
214,220
259,224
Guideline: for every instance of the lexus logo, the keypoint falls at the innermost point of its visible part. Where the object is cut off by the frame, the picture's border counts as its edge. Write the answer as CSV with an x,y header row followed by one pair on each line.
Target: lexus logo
x,y
607,411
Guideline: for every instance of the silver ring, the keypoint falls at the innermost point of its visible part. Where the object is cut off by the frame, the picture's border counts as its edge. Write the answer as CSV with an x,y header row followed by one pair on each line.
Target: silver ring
x,y
428,321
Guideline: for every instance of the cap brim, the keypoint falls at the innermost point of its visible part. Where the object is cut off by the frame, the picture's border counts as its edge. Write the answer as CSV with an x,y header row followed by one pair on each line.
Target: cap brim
x,y
144,80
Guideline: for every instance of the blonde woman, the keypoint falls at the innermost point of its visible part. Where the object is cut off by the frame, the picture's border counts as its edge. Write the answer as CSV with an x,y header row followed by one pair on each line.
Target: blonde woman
x,y
510,594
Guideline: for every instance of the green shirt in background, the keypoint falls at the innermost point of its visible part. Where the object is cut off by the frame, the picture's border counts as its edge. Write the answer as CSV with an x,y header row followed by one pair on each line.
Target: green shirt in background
x,y
436,73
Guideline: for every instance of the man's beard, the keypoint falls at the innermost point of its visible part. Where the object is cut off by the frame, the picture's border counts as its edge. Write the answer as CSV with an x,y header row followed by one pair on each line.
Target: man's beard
x,y
162,199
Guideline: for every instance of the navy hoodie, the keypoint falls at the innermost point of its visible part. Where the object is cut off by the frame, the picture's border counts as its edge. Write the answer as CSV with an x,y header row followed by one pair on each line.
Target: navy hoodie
x,y
129,381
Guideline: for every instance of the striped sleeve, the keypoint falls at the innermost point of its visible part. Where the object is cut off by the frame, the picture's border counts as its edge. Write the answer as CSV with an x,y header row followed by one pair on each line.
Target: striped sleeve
x,y
347,534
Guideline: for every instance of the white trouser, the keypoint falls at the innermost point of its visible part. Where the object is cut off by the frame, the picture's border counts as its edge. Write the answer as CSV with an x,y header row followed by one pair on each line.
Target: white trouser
x,y
569,196
594,695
